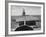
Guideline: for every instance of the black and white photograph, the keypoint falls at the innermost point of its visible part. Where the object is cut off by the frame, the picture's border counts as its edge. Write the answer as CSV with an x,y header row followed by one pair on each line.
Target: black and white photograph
x,y
24,18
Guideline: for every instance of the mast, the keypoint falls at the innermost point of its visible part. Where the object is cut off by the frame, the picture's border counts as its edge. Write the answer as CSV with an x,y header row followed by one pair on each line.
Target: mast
x,y
24,15
23,12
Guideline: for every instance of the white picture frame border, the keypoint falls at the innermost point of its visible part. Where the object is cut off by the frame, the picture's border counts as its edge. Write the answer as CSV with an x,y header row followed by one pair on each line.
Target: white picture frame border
x,y
23,32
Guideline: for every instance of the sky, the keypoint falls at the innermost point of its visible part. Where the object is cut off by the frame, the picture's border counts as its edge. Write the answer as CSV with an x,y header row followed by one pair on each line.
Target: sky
x,y
29,10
